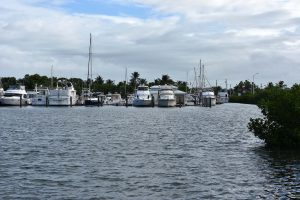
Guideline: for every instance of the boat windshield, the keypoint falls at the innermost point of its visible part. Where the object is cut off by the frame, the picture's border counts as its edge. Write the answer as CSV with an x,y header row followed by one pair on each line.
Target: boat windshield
x,y
143,88
12,95
16,87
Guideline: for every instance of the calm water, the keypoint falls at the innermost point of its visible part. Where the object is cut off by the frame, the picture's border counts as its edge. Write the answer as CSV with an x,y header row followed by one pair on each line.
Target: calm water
x,y
140,153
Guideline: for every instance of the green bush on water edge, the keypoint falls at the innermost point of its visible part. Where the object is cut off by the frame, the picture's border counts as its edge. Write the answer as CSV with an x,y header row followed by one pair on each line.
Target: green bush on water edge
x,y
280,126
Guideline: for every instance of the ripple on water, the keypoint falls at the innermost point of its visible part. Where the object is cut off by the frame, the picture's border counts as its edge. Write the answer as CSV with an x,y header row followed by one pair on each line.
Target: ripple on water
x,y
140,153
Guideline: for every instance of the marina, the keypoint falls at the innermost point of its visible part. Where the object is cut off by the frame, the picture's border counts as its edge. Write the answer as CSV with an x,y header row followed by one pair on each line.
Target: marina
x,y
149,100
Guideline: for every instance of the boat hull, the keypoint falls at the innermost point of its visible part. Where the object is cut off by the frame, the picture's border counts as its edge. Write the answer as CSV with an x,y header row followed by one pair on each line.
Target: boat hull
x,y
39,101
62,101
166,103
93,102
13,101
142,102
209,101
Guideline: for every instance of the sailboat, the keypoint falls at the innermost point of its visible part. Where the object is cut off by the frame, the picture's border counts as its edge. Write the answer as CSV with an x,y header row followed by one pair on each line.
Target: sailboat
x,y
206,94
87,97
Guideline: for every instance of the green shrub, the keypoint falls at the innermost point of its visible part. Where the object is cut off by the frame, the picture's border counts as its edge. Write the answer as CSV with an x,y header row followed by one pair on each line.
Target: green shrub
x,y
280,126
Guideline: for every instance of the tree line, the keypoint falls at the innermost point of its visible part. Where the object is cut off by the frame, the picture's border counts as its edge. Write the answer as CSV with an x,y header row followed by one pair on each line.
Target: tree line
x,y
96,85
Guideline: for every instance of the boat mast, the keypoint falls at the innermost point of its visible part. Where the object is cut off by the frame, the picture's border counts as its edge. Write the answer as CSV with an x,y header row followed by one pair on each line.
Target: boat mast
x,y
90,73
200,82
125,81
52,76
196,82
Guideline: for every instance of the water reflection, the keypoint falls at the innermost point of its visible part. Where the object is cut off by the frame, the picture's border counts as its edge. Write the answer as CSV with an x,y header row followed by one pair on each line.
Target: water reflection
x,y
281,171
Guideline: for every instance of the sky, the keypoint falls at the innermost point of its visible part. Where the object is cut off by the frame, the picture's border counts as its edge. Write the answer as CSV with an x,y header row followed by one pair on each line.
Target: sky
x,y
234,39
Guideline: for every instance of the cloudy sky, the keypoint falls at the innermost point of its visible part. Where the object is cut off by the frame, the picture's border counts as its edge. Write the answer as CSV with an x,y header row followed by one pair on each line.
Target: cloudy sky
x,y
234,38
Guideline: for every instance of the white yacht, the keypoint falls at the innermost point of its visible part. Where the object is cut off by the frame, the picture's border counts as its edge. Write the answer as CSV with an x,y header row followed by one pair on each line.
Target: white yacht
x,y
40,98
208,98
62,96
166,97
1,92
154,93
130,99
114,100
142,97
95,99
13,95
1,89
222,97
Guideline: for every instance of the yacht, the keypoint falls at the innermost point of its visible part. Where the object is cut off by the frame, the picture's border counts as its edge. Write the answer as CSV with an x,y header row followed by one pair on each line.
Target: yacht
x,y
94,99
114,100
1,92
154,93
142,97
1,89
222,97
130,99
14,96
166,97
62,96
208,98
39,97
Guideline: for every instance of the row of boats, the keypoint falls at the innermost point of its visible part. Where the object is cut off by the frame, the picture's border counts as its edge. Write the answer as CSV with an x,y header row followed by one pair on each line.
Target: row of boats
x,y
159,95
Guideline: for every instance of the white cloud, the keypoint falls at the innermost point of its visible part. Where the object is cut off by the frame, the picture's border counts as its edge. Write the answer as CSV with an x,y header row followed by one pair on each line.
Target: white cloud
x,y
235,39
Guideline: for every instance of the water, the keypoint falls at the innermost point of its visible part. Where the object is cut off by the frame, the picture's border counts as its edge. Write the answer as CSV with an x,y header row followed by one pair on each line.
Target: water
x,y
140,153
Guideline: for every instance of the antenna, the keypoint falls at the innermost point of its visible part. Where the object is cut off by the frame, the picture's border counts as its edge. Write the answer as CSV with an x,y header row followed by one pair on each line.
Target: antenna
x,y
52,76
125,80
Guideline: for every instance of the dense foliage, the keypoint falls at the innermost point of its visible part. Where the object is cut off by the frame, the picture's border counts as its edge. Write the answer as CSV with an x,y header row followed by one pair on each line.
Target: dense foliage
x,y
280,126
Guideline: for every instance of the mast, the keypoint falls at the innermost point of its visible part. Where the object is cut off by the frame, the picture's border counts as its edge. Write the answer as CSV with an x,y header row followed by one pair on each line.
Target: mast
x,y
203,77
187,79
125,81
90,73
200,77
196,82
52,76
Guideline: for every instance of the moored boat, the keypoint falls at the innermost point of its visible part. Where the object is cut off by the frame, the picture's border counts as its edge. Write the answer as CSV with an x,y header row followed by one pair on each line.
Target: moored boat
x,y
63,96
142,96
40,98
208,98
222,97
114,100
14,96
166,97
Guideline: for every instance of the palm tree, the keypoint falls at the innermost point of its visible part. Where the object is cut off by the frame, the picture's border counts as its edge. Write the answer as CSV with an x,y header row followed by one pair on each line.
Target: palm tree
x,y
109,82
134,79
165,79
143,81
99,80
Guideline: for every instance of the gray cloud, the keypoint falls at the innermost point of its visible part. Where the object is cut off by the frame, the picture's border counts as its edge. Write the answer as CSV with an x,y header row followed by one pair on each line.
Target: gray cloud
x,y
234,40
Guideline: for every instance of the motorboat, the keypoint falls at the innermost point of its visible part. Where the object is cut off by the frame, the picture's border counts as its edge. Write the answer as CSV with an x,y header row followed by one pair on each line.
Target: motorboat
x,y
62,96
15,95
222,97
94,99
191,99
208,98
166,97
154,93
142,96
1,92
39,97
114,100
130,99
